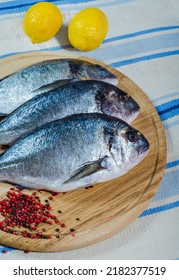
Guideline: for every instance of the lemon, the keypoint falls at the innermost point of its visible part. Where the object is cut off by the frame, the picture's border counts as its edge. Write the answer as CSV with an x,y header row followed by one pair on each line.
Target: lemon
x,y
42,21
88,29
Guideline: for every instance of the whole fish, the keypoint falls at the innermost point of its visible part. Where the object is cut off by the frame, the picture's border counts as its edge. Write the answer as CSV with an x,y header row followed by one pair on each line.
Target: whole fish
x,y
73,152
44,76
78,97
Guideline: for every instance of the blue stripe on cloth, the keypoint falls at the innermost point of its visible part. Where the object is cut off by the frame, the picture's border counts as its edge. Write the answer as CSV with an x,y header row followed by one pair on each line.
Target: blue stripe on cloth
x,y
42,49
15,6
11,7
23,7
168,110
159,209
165,107
129,48
143,58
169,185
172,164
169,113
8,249
136,47
16,3
143,32
113,64
19,4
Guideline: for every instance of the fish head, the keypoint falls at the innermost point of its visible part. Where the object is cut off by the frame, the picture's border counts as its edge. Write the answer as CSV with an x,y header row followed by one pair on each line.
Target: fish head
x,y
128,147
89,71
117,103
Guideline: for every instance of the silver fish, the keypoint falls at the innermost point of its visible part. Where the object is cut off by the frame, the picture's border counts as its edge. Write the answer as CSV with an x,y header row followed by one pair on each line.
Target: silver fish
x,y
44,76
74,152
74,98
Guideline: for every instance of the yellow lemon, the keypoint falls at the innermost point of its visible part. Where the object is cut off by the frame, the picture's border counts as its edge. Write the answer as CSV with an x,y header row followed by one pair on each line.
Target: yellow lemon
x,y
88,29
42,21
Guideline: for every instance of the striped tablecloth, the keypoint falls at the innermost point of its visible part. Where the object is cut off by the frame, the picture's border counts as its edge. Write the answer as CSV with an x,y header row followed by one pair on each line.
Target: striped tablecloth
x,y
142,43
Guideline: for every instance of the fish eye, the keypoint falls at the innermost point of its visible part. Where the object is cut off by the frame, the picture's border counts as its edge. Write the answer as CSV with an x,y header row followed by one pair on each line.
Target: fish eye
x,y
123,98
132,136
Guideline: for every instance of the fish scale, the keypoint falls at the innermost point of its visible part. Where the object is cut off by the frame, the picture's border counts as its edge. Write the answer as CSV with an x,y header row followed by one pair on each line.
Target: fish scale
x,y
74,98
74,152
44,76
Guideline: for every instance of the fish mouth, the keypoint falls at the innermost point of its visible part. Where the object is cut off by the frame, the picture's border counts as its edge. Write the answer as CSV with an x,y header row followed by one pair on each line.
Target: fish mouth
x,y
131,117
98,72
92,72
144,148
121,113
113,81
132,110
128,109
132,105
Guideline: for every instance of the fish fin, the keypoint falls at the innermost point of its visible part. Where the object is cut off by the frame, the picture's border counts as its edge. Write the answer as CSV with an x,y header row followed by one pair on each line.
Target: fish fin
x,y
89,169
53,85
2,116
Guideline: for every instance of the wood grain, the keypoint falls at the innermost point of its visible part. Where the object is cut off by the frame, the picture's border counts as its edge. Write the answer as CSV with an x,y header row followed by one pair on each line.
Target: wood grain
x,y
104,210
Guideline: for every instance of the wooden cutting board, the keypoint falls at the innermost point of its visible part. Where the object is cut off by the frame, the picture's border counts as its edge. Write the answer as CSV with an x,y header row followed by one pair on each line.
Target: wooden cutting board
x,y
94,214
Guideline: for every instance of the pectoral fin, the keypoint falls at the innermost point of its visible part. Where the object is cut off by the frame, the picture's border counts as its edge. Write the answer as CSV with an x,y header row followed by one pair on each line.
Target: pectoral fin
x,y
89,169
53,85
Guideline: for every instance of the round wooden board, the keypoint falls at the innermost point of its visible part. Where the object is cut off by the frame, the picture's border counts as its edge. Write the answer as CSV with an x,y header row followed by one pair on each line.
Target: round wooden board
x,y
102,211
